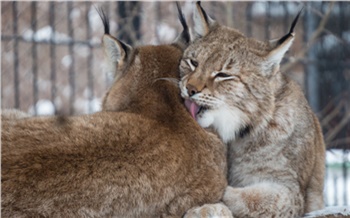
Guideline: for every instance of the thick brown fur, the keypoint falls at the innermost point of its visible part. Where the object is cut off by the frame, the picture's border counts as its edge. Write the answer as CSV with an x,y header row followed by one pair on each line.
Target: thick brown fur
x,y
141,156
276,154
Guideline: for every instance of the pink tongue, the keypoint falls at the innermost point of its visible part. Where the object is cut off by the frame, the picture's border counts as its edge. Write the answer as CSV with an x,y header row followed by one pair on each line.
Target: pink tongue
x,y
192,107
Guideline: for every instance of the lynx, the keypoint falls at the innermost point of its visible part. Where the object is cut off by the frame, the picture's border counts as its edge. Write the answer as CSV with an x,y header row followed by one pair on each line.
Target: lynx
x,y
13,114
232,85
142,156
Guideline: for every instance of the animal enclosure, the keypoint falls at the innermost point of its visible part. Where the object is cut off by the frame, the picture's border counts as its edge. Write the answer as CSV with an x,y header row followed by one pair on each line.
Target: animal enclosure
x,y
52,62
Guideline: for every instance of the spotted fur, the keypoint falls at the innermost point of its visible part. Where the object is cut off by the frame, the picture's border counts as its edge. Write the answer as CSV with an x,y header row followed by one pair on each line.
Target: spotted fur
x,y
233,85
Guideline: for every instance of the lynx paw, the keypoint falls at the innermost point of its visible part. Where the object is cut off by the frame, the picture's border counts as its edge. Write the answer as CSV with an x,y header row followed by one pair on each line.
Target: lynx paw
x,y
209,211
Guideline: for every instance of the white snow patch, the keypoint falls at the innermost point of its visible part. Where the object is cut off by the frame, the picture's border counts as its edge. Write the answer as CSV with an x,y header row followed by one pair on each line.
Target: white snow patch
x,y
276,10
95,40
75,13
45,34
336,156
344,210
329,42
66,60
83,105
166,33
82,51
336,186
94,19
43,107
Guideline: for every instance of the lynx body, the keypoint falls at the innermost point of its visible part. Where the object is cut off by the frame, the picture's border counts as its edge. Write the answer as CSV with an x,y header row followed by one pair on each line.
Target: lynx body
x,y
276,154
142,156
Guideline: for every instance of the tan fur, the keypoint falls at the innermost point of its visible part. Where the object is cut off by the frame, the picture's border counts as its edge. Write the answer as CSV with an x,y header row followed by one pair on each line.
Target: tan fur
x,y
142,156
276,153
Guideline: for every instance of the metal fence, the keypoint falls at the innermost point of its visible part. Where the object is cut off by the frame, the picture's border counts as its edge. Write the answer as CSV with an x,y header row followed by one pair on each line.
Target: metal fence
x,y
51,60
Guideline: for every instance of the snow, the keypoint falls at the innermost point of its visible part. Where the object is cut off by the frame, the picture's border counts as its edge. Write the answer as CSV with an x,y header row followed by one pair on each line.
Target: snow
x,y
66,60
45,34
43,107
329,42
277,10
94,19
345,211
166,33
336,156
74,14
82,105
82,51
336,186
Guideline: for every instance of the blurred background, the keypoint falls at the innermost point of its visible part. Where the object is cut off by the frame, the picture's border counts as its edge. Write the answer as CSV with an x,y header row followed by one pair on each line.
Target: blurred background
x,y
52,62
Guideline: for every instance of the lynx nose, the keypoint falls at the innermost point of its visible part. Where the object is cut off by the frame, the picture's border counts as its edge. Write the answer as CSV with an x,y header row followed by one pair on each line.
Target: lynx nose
x,y
191,90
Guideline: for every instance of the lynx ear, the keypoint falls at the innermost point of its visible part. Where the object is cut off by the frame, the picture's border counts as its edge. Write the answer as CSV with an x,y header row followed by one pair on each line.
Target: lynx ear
x,y
117,52
281,46
201,21
184,38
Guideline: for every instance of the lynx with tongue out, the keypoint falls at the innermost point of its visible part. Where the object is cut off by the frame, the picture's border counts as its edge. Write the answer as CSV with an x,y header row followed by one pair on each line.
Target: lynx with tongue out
x,y
192,107
276,152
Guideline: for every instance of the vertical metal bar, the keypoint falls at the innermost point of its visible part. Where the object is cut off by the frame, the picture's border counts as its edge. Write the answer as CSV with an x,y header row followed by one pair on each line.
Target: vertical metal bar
x,y
342,28
15,55
136,21
34,57
267,20
157,15
312,78
249,19
71,53
89,60
229,13
345,176
335,179
53,55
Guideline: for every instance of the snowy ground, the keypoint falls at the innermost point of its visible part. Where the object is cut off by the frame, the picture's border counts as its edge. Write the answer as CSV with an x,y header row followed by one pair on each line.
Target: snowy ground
x,y
337,181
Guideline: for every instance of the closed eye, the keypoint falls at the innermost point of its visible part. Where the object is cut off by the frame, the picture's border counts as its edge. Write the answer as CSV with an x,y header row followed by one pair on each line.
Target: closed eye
x,y
220,76
192,63
223,75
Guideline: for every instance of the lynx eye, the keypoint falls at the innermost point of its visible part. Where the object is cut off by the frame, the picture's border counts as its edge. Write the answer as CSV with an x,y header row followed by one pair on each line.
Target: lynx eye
x,y
194,63
222,75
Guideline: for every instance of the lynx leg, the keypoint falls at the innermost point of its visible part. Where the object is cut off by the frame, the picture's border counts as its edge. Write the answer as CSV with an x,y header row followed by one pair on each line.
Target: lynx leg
x,y
264,200
209,211
314,191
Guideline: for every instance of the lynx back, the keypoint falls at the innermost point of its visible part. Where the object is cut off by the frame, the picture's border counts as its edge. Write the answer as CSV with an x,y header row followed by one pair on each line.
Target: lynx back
x,y
142,156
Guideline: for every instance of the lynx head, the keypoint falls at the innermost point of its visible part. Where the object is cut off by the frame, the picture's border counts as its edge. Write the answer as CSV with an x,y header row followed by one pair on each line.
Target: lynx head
x,y
228,80
137,70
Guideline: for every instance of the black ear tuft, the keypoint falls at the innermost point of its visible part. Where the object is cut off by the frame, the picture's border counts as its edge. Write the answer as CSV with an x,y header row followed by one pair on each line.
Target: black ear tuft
x,y
291,31
104,19
185,32
295,21
203,12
